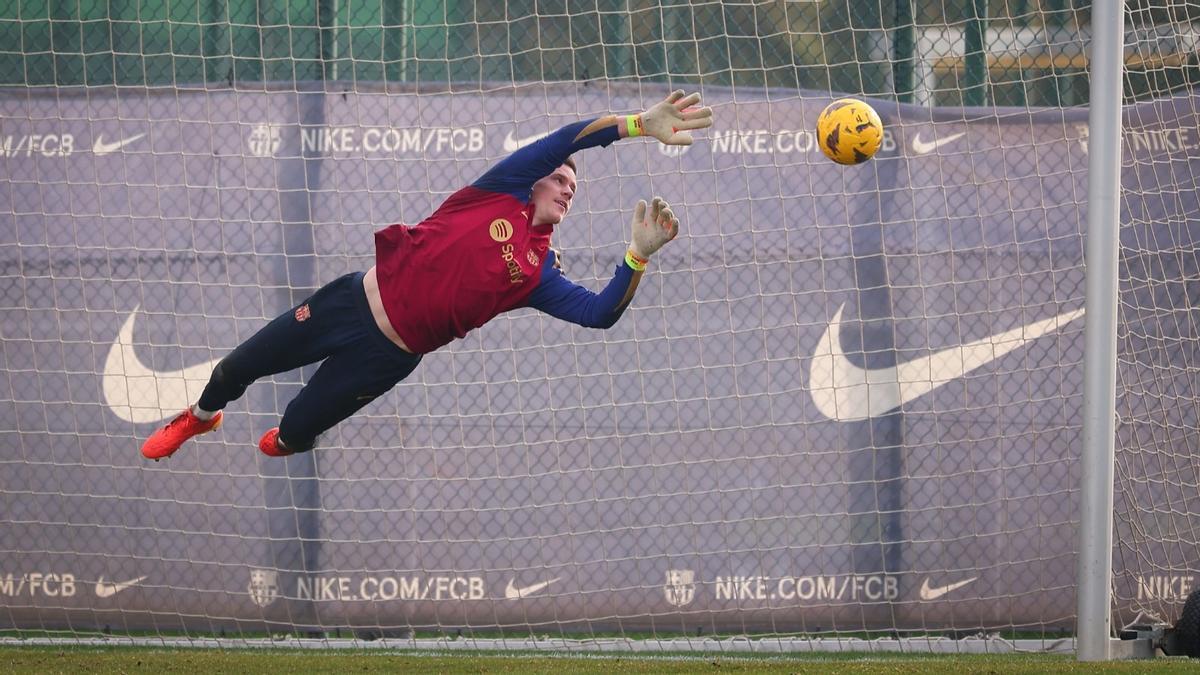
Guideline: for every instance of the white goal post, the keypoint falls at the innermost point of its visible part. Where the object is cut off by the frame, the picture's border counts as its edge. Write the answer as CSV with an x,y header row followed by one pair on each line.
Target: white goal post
x,y
1098,457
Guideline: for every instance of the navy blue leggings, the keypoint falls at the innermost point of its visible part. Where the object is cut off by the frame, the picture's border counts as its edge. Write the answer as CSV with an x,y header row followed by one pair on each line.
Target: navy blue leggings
x,y
334,325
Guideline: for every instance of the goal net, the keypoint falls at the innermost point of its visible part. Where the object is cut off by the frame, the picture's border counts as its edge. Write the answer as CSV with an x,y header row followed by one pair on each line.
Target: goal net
x,y
1157,503
845,401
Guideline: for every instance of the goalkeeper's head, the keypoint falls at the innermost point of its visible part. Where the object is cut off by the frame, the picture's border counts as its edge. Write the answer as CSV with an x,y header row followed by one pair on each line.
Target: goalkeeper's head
x,y
552,195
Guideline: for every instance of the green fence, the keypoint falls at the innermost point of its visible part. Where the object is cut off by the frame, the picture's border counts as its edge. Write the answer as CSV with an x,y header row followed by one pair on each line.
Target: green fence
x,y
1019,52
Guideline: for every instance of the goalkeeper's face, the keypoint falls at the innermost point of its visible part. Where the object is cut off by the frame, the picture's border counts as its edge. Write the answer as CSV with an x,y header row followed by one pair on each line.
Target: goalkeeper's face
x,y
552,196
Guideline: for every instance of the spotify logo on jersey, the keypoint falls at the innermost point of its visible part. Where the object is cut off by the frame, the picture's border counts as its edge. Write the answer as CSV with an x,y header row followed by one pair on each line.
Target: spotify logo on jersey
x,y
500,229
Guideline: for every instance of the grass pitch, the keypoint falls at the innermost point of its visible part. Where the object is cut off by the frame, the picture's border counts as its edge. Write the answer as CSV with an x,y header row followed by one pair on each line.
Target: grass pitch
x,y
77,660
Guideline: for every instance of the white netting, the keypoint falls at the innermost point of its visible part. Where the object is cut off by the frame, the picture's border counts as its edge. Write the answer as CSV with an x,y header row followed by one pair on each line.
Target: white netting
x,y
1157,501
844,400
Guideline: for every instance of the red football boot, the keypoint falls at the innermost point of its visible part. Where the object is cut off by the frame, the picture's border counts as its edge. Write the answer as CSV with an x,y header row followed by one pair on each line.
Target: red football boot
x,y
165,441
270,445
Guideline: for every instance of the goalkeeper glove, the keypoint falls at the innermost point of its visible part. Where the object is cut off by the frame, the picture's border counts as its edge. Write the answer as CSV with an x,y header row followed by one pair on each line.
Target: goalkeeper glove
x,y
651,229
671,122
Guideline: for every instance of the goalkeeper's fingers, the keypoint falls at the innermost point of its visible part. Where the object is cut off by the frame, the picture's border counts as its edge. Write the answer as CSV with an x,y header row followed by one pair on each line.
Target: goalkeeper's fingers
x,y
688,120
679,138
655,209
665,217
695,123
639,212
668,222
685,102
697,115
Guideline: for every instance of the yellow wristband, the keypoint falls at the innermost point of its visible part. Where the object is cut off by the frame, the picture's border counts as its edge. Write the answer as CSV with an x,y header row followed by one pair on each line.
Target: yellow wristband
x,y
635,263
633,125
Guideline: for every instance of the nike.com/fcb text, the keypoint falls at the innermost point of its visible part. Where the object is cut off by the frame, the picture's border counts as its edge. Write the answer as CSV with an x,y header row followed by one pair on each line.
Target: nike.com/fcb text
x,y
33,584
44,145
832,587
390,588
265,140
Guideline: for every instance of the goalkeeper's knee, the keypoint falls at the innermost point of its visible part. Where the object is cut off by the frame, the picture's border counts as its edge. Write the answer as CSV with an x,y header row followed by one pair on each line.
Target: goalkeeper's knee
x,y
223,386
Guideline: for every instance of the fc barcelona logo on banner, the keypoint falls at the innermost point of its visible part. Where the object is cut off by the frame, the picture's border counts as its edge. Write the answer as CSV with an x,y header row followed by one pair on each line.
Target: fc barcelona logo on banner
x,y
263,587
681,587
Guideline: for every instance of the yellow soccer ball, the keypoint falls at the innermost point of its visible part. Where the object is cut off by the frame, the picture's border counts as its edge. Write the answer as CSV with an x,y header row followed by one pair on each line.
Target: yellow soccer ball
x,y
849,131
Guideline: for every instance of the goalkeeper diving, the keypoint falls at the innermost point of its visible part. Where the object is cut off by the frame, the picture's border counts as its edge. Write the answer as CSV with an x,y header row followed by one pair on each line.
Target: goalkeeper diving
x,y
485,251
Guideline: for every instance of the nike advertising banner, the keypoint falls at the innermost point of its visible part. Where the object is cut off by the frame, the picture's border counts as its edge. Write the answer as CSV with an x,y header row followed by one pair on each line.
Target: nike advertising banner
x,y
844,398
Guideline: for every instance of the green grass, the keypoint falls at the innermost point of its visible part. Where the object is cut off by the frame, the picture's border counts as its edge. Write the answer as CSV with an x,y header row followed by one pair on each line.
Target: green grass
x,y
78,660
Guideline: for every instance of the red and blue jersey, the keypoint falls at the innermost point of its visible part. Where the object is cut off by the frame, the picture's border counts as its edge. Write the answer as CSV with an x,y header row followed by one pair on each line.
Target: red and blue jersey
x,y
478,255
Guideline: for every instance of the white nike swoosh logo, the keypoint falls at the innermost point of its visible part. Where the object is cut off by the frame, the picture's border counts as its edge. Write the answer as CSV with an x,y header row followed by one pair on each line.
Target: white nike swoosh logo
x,y
928,593
672,150
137,394
512,144
513,593
844,392
104,590
922,148
99,147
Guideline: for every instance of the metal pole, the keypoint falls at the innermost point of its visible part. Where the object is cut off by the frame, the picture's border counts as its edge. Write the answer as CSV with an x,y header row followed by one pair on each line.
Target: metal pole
x,y
395,40
327,40
904,51
1100,342
975,53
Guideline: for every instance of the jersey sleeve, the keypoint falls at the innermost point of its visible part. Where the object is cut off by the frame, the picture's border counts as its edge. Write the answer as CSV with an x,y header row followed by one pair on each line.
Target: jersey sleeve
x,y
515,175
564,299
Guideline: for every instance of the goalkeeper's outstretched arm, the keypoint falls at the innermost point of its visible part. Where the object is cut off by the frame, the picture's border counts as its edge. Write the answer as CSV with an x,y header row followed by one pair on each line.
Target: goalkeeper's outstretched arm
x,y
653,227
671,121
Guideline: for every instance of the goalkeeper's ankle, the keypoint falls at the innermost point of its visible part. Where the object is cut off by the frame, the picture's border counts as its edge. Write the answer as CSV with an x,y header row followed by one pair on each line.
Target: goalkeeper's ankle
x,y
202,414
